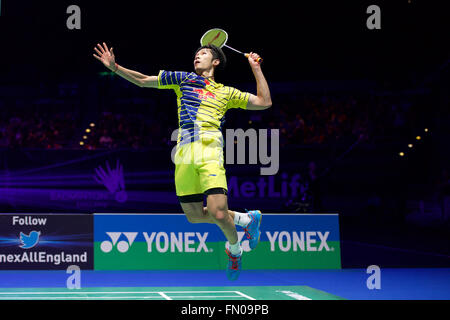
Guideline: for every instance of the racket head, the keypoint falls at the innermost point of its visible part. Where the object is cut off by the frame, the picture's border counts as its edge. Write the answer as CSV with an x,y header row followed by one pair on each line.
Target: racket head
x,y
216,36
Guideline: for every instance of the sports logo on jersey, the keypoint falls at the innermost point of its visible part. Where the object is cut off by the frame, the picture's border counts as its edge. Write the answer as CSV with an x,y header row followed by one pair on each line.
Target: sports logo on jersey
x,y
204,94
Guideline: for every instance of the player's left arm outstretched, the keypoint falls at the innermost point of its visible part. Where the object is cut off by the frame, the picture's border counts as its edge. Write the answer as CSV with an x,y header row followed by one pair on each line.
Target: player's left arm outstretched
x,y
107,57
262,100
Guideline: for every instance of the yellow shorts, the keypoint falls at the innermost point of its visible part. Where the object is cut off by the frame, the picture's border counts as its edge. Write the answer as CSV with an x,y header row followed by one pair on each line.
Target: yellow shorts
x,y
199,167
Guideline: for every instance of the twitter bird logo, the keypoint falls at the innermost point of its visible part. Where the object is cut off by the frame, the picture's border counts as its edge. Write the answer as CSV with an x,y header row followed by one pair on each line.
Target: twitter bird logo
x,y
29,241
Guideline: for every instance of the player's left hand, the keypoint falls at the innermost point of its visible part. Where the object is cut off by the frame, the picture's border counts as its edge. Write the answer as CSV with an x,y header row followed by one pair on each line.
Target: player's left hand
x,y
253,59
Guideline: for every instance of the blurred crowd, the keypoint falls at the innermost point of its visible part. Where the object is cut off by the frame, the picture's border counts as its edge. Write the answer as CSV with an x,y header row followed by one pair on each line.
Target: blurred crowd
x,y
328,119
120,129
303,119
22,128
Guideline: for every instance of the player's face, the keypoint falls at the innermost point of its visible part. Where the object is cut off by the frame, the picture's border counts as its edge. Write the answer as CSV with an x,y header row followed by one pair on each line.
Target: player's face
x,y
203,60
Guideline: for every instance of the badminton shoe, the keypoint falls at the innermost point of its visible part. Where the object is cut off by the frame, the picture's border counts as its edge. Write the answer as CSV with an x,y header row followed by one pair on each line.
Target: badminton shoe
x,y
234,265
252,229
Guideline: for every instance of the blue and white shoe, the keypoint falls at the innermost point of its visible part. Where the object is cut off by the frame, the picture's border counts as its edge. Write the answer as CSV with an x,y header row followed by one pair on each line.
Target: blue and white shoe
x,y
252,229
234,265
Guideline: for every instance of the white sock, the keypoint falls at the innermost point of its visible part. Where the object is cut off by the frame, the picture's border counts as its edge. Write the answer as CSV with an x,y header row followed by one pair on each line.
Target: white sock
x,y
235,249
241,219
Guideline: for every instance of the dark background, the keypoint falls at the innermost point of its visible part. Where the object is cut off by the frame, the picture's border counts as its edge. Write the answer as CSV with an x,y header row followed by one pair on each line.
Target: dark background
x,y
299,40
391,207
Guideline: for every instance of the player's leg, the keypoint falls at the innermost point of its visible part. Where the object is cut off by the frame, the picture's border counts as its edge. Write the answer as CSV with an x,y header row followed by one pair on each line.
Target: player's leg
x,y
212,178
194,210
196,213
214,184
209,165
218,210
250,221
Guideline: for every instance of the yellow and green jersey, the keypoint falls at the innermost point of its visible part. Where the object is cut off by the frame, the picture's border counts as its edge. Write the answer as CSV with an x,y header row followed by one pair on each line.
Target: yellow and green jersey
x,y
202,104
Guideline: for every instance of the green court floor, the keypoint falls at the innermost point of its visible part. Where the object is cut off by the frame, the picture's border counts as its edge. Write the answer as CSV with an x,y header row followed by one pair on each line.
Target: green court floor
x,y
170,293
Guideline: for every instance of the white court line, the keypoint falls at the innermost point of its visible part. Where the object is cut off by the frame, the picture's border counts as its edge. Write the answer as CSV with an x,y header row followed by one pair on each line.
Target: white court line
x,y
87,293
82,292
175,297
165,296
198,291
294,295
66,298
115,297
244,295
110,292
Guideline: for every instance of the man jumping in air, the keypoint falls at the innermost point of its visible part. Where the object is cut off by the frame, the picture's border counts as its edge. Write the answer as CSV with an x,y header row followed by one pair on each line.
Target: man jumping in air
x,y
199,171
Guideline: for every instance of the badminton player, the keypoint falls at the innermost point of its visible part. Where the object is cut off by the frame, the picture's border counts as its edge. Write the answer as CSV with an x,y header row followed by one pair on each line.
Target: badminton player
x,y
199,170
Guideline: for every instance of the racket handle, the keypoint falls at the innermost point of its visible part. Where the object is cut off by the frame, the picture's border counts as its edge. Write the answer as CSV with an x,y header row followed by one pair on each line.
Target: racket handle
x,y
259,60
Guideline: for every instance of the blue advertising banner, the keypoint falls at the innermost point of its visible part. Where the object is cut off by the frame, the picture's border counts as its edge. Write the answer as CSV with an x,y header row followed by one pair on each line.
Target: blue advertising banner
x,y
170,242
46,241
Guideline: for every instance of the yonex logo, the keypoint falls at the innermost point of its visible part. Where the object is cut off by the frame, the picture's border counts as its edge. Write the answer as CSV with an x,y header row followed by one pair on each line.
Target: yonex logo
x,y
161,241
296,241
177,241
122,246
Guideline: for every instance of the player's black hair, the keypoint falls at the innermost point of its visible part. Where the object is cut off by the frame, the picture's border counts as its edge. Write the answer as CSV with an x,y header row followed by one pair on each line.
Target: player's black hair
x,y
217,53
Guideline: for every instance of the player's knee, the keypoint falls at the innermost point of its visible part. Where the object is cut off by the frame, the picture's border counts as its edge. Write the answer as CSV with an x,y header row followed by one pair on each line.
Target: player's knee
x,y
219,214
